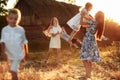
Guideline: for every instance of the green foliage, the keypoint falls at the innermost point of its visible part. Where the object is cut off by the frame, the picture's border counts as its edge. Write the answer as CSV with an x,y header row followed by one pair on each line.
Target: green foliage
x,y
3,3
71,1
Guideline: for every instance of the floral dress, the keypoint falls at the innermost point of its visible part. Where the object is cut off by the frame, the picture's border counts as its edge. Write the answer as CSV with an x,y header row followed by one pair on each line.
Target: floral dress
x,y
89,50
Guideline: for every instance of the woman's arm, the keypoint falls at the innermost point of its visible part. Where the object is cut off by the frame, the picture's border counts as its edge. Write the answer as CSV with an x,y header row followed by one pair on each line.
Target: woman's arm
x,y
84,16
88,17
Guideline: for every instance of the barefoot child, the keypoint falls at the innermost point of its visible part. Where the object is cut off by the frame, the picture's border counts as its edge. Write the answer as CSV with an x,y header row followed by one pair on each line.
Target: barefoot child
x,y
77,21
12,41
55,42
76,42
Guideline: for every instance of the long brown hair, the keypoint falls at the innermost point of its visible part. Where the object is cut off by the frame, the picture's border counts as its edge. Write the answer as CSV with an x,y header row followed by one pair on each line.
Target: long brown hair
x,y
99,17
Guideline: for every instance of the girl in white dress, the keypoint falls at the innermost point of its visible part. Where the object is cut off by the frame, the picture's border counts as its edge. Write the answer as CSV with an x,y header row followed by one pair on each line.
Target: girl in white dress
x,y
55,42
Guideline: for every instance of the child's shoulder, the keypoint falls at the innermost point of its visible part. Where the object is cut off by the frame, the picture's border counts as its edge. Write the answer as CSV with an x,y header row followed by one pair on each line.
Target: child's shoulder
x,y
5,27
20,28
84,10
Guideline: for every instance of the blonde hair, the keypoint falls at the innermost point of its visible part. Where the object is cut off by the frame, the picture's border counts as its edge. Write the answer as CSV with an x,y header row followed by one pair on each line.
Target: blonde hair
x,y
51,22
16,12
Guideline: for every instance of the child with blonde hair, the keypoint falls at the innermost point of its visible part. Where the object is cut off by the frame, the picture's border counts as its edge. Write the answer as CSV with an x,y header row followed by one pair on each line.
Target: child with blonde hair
x,y
55,43
13,40
78,20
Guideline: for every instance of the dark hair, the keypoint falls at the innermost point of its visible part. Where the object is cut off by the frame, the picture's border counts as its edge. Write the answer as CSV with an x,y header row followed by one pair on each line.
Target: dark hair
x,y
100,24
15,11
88,4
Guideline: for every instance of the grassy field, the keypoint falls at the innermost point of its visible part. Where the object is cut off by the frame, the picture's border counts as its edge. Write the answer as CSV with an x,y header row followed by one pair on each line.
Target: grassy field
x,y
71,67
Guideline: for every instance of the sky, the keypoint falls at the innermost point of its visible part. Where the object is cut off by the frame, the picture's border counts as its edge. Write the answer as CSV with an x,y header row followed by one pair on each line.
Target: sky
x,y
10,4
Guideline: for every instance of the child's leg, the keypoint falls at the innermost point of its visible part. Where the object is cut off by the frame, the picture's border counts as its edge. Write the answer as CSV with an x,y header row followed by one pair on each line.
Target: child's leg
x,y
70,43
75,45
48,54
58,55
79,41
73,33
14,69
14,75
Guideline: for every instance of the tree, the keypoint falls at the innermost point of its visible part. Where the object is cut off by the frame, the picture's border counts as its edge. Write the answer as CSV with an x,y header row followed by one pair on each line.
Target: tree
x,y
71,1
3,3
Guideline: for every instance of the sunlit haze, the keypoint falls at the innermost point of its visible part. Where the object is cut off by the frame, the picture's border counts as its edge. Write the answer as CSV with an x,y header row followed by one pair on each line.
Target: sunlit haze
x,y
109,7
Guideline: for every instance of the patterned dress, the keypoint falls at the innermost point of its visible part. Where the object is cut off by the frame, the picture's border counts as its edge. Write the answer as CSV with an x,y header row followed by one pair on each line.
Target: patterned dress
x,y
89,50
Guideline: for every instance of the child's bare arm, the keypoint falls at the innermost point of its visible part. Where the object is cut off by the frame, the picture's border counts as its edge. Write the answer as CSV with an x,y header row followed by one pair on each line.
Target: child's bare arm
x,y
53,35
84,16
26,51
48,29
26,47
3,51
73,33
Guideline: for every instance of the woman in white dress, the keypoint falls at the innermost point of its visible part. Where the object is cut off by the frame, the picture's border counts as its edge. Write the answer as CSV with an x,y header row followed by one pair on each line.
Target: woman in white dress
x,y
55,42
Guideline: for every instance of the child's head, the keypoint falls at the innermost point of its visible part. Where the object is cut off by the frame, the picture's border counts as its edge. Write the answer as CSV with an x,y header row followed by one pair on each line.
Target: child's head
x,y
13,17
54,21
88,6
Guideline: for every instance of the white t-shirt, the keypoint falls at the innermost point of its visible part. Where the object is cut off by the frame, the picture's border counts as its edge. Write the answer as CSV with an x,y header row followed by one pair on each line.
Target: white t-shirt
x,y
64,35
84,12
14,38
74,22
55,29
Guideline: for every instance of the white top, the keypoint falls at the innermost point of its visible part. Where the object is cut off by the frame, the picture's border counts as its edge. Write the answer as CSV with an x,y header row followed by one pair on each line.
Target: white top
x,y
84,12
55,29
55,41
74,22
14,38
64,35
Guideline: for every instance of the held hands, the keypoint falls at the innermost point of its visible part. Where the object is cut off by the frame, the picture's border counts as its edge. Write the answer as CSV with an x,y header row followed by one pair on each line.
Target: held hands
x,y
53,35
